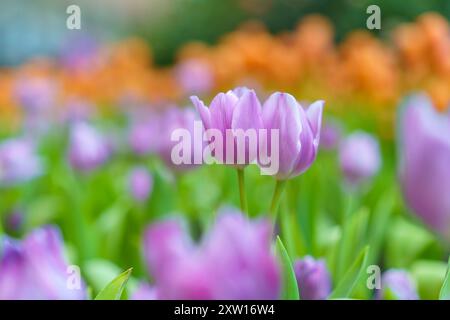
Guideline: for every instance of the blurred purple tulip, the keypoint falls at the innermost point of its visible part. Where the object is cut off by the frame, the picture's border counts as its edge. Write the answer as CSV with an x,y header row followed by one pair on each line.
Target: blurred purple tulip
x,y
140,183
35,94
194,76
397,284
233,261
299,133
359,157
234,110
180,119
144,135
14,221
88,148
313,278
330,135
77,109
35,268
425,162
19,161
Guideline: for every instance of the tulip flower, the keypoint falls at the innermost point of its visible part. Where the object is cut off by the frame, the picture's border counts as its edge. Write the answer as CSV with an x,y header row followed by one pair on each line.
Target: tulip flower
x,y
397,284
186,153
194,76
424,163
299,133
35,268
144,135
18,161
140,183
313,278
330,135
230,114
35,94
359,157
233,261
88,148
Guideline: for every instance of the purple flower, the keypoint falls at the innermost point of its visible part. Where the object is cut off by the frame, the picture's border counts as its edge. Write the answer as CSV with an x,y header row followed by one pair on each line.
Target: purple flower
x,y
144,135
233,261
88,148
35,268
359,157
397,284
19,161
190,154
194,76
229,115
313,278
330,135
35,94
77,109
298,133
140,183
424,162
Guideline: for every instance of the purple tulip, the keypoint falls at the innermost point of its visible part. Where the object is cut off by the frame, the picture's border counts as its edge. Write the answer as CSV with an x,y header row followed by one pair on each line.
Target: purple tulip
x,y
194,76
176,120
233,261
398,284
88,148
313,278
238,110
140,183
144,135
424,163
35,94
298,130
330,135
359,157
77,109
19,161
35,268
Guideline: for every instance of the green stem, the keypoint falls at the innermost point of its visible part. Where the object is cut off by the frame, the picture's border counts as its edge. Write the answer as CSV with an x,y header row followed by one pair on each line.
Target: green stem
x,y
242,196
279,187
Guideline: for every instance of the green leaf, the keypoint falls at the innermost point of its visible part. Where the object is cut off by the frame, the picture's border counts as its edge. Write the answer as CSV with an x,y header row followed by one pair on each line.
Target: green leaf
x,y
114,290
444,294
290,288
353,236
345,288
429,276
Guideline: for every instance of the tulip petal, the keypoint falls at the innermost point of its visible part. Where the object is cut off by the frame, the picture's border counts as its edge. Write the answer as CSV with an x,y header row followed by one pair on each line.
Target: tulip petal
x,y
281,112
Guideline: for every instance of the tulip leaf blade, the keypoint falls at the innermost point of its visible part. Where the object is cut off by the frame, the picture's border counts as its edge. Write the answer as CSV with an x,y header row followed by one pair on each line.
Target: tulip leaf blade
x,y
114,289
444,294
290,288
350,279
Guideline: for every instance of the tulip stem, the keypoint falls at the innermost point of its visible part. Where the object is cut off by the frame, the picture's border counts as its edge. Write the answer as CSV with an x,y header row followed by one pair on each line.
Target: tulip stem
x,y
241,179
279,187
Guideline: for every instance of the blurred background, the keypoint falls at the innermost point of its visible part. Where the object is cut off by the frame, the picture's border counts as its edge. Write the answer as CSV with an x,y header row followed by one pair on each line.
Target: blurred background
x,y
30,28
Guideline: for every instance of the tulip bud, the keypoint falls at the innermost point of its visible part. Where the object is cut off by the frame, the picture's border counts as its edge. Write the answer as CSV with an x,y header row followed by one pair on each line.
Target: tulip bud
x,y
88,149
140,183
35,268
359,157
230,116
18,161
233,261
313,278
298,130
194,76
424,163
397,284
